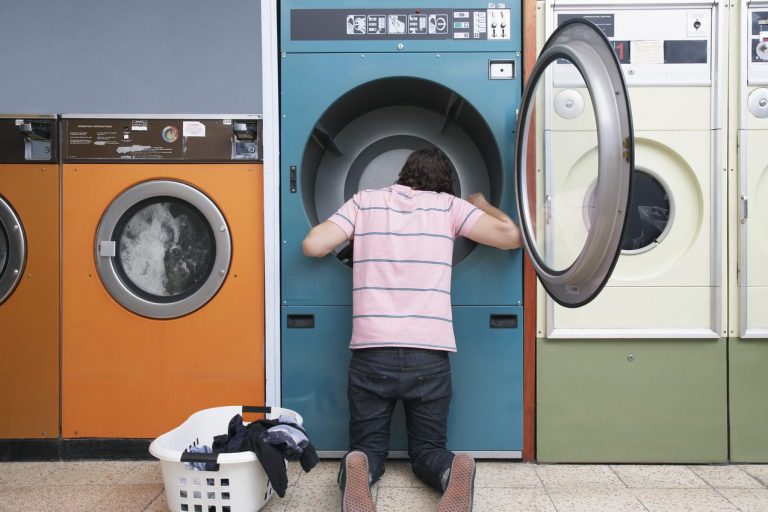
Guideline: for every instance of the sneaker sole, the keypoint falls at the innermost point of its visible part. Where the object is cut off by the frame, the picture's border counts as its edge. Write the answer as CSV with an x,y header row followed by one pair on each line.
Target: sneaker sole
x,y
357,493
461,486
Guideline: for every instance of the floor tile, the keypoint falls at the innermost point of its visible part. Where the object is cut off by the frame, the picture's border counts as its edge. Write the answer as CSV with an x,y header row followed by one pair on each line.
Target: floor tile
x,y
399,474
87,473
324,473
659,477
759,471
129,498
574,475
158,505
406,499
497,499
592,500
507,474
294,473
278,504
52,498
24,473
313,498
683,500
726,477
143,473
747,500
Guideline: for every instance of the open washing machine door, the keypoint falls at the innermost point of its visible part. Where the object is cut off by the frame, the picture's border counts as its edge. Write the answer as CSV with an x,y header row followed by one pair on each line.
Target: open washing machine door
x,y
13,250
573,277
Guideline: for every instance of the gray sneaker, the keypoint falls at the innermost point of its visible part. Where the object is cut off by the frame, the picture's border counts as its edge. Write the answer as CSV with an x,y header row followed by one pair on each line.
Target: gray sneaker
x,y
356,493
459,494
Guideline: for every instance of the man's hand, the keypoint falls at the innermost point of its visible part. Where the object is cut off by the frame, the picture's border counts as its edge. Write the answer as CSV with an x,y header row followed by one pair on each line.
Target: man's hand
x,y
478,199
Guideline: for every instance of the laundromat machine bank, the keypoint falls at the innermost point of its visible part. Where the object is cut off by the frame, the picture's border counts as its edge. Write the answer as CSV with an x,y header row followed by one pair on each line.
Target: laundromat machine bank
x,y
388,81
162,258
606,395
29,276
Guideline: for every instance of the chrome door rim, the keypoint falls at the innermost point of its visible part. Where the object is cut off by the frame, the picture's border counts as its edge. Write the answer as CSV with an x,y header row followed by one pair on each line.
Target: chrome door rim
x,y
222,256
584,45
17,250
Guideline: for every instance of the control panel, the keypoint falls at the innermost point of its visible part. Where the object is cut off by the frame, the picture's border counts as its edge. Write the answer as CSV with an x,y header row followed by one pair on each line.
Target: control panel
x,y
659,46
491,24
28,139
187,140
757,45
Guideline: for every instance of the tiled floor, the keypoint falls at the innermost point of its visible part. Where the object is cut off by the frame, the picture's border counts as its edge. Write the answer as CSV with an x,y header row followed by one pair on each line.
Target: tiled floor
x,y
501,486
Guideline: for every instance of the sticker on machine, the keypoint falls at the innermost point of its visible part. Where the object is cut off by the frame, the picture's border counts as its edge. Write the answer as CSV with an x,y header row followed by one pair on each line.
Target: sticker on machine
x,y
193,129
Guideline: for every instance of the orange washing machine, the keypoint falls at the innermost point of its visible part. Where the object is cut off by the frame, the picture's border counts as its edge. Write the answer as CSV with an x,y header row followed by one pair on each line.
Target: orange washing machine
x,y
163,270
29,277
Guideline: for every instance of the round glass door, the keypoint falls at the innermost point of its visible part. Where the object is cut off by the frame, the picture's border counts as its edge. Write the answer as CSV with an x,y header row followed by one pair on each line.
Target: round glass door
x,y
574,254
13,250
163,249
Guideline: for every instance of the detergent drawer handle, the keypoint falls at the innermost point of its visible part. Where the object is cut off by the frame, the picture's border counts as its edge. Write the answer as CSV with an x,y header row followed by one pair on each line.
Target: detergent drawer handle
x,y
503,322
301,321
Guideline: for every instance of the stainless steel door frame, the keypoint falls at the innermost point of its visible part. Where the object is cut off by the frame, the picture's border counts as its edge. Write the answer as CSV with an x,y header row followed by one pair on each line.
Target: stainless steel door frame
x,y
12,268
107,249
584,45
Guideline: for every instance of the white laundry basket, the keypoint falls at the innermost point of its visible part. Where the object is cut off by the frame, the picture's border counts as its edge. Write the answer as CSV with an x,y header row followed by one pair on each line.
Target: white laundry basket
x,y
240,484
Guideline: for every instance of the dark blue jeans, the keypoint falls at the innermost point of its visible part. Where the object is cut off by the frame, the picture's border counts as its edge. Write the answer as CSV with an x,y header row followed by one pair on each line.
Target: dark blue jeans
x,y
378,378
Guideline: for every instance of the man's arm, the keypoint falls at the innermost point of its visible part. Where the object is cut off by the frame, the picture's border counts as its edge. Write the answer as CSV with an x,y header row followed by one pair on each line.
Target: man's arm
x,y
322,239
495,228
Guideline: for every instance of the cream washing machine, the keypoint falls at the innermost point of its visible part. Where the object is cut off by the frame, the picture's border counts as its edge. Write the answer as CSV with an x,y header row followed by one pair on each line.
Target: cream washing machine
x,y
748,353
644,363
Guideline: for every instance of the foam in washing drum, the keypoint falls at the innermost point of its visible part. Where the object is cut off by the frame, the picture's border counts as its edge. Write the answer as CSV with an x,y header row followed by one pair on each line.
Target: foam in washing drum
x,y
13,250
573,269
163,249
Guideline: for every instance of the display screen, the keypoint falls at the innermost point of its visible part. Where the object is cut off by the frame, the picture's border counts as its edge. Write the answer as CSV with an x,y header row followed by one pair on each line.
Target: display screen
x,y
165,249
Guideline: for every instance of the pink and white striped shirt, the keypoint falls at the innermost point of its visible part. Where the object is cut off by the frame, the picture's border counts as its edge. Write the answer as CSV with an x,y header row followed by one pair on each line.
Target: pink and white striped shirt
x,y
401,280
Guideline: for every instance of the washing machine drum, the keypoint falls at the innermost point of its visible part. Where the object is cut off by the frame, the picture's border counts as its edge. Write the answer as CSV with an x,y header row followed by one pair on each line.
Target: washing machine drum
x,y
163,249
364,138
13,250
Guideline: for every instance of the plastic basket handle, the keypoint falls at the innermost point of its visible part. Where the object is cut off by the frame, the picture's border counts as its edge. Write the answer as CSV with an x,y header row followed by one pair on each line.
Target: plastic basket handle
x,y
266,409
198,457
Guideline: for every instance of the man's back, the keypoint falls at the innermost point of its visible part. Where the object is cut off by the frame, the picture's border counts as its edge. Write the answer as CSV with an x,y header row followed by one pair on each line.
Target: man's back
x,y
402,265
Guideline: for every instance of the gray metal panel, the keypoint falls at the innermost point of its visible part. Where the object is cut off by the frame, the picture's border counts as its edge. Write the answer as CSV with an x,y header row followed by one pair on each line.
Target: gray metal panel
x,y
139,56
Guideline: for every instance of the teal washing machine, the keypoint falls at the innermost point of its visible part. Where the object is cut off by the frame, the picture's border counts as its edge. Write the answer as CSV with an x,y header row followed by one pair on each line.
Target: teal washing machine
x,y
362,85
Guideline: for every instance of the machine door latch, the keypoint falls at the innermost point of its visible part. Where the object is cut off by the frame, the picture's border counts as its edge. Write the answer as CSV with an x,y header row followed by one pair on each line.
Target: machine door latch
x,y
107,249
293,179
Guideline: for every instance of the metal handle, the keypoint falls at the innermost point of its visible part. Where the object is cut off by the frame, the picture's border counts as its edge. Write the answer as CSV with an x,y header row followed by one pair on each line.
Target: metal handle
x,y
293,179
744,208
301,321
503,322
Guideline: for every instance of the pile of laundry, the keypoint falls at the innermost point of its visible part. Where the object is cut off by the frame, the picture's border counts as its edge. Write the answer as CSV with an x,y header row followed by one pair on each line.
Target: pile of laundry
x,y
273,441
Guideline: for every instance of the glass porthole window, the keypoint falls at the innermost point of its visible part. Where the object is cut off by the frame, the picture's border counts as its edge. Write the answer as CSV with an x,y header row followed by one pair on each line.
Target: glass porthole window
x,y
163,249
650,213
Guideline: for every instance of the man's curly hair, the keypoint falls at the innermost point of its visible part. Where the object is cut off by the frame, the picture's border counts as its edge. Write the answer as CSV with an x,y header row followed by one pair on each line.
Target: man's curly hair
x,y
427,169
